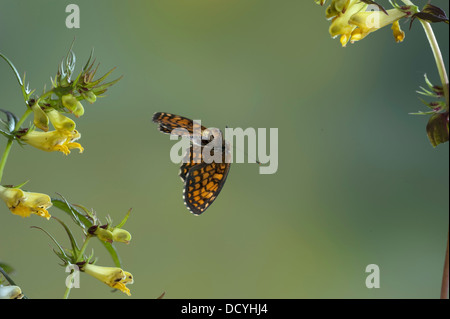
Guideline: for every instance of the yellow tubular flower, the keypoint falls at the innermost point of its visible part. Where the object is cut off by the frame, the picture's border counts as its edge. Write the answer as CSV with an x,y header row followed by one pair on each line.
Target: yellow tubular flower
x,y
371,21
341,5
40,118
352,22
24,203
60,122
340,23
112,276
62,141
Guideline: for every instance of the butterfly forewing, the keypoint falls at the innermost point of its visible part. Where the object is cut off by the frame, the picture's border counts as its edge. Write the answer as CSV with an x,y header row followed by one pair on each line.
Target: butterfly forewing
x,y
175,124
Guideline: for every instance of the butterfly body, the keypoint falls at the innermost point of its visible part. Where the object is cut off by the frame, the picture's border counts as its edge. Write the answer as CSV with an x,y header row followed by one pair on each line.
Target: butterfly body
x,y
203,179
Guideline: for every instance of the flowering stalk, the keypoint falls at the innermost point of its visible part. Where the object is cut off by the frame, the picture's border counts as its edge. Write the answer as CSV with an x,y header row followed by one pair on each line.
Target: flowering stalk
x,y
445,86
50,108
438,57
352,21
436,52
106,233
79,258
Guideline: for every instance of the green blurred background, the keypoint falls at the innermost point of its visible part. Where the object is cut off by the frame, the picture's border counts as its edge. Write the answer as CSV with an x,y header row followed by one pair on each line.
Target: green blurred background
x,y
358,182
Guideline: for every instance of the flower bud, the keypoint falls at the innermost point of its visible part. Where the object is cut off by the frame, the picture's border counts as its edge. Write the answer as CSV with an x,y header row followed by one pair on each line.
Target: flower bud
x,y
72,104
89,96
121,235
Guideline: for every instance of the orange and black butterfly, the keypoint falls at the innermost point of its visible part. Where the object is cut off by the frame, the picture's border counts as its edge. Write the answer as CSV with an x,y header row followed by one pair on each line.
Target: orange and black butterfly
x,y
202,181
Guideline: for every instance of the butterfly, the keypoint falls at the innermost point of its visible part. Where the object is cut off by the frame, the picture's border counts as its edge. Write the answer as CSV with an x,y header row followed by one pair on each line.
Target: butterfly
x,y
203,180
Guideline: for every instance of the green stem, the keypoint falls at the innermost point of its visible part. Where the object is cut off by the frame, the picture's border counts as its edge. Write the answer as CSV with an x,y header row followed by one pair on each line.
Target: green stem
x,y
83,249
46,94
10,142
408,3
444,80
5,157
436,52
68,288
23,118
438,57
79,258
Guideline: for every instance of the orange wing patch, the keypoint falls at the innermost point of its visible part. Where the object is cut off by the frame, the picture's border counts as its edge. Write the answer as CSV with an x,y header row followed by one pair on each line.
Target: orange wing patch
x,y
203,184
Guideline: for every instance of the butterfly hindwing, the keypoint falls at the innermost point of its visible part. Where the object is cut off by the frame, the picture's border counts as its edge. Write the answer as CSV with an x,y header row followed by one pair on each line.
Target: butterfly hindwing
x,y
190,159
203,184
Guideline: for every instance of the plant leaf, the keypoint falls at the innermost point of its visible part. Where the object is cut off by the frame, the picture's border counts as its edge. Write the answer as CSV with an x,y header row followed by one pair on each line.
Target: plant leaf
x,y
430,13
73,242
13,68
79,218
62,253
124,220
422,113
113,252
11,120
7,268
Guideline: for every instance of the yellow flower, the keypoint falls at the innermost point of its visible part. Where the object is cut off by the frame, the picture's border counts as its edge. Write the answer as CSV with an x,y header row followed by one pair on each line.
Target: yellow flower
x,y
371,21
112,276
24,203
40,118
60,122
352,22
339,24
62,141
